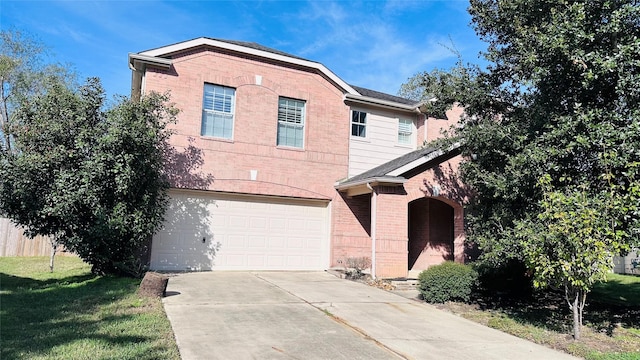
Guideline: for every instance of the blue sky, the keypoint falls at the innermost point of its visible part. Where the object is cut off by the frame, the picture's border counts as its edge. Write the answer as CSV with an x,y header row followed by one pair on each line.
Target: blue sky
x,y
373,44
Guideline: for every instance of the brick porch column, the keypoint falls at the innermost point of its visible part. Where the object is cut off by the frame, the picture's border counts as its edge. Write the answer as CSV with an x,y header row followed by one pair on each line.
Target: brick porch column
x,y
458,234
391,238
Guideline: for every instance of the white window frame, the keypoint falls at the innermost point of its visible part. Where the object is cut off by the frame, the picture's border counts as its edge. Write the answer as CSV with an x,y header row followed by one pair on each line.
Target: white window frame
x,y
291,118
405,132
218,106
360,123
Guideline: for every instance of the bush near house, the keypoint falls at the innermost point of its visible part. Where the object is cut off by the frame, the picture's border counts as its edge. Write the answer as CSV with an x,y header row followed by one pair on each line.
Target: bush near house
x,y
448,281
510,279
355,267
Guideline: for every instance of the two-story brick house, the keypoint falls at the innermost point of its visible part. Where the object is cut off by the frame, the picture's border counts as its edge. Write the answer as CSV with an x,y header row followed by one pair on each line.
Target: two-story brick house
x,y
298,170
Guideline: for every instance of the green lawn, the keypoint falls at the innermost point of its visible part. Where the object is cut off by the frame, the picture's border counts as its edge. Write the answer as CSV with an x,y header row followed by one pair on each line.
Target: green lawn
x,y
72,314
612,319
619,289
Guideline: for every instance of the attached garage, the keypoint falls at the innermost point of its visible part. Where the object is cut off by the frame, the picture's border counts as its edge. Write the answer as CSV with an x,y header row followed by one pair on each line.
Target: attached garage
x,y
204,231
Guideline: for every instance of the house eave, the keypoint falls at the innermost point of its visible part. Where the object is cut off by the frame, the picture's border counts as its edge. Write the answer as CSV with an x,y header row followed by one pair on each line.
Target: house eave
x,y
452,150
202,41
385,104
138,62
365,186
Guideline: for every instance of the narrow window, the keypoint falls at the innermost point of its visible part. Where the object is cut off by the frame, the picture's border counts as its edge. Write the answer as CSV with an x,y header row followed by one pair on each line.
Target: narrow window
x,y
358,123
291,115
405,131
217,111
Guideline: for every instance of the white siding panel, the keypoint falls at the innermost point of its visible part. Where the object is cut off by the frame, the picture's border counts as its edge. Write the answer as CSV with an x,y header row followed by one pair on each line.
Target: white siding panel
x,y
380,145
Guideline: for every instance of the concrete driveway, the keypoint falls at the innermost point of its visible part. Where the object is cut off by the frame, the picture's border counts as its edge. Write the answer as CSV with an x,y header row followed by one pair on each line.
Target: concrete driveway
x,y
315,315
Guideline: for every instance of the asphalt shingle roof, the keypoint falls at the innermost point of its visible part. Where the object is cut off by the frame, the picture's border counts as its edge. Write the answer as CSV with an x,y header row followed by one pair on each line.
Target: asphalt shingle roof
x,y
384,169
381,171
256,46
382,96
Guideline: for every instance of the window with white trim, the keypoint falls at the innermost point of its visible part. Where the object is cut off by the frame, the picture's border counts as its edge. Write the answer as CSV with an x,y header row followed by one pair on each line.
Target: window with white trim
x,y
358,123
218,106
405,131
291,114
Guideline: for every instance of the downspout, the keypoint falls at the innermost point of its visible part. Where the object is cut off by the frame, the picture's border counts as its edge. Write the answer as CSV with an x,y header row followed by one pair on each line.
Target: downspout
x,y
374,210
136,83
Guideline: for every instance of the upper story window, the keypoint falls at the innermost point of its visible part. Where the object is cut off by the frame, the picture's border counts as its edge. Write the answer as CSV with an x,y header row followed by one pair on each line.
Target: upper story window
x,y
405,131
218,107
358,123
291,114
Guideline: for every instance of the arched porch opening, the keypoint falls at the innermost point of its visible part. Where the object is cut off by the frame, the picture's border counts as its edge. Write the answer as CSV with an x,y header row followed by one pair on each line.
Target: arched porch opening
x,y
431,230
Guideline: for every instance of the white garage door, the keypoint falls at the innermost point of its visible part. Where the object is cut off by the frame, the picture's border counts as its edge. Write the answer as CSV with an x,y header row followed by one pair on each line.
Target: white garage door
x,y
229,232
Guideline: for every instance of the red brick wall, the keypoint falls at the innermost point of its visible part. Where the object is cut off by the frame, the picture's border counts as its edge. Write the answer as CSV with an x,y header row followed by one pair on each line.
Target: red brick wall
x,y
391,232
310,172
430,233
351,228
435,125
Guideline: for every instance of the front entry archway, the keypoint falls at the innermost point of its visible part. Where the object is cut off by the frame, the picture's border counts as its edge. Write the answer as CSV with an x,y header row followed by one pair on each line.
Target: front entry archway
x,y
431,234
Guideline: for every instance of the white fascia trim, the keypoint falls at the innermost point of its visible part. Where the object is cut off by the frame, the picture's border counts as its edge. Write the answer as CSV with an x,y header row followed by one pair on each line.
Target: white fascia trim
x,y
242,49
135,59
374,180
423,160
415,163
365,100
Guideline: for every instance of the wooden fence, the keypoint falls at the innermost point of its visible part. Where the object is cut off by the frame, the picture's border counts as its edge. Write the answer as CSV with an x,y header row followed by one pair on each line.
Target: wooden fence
x,y
13,242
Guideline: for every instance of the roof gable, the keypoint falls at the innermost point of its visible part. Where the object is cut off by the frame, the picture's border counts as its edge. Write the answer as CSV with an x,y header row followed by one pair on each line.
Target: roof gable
x,y
162,57
248,48
392,171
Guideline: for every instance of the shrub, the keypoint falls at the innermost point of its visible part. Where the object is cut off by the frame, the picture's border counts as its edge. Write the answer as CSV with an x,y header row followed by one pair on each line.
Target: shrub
x,y
448,281
509,279
355,266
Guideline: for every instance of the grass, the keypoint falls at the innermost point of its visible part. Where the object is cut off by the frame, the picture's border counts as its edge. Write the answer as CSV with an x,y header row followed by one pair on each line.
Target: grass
x,y
72,314
619,289
612,319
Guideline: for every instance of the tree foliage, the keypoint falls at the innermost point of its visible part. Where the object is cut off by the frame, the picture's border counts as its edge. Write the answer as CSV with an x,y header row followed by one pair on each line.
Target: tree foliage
x,y
24,69
570,244
90,178
552,132
565,74
439,89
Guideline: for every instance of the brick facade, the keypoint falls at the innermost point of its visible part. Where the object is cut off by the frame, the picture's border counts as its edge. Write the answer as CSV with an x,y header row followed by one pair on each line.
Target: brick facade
x,y
308,172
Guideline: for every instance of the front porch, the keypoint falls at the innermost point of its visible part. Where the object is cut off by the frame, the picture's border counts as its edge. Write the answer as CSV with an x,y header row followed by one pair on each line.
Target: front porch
x,y
401,221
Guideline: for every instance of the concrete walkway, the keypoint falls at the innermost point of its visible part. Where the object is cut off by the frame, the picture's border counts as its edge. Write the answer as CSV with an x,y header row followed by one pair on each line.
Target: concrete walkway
x,y
314,315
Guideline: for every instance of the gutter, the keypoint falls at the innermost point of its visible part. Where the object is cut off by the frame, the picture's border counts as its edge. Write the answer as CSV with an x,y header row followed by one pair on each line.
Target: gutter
x,y
365,100
369,181
374,211
139,62
418,108
138,65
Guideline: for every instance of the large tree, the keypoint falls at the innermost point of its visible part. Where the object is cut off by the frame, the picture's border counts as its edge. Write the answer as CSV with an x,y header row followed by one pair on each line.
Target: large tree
x,y
25,66
552,133
90,178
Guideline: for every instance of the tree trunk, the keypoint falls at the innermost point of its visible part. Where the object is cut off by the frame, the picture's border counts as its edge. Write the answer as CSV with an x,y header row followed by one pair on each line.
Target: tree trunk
x,y
576,298
576,316
54,248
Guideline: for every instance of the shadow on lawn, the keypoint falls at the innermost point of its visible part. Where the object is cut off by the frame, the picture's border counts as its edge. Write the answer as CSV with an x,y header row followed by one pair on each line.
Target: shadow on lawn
x,y
549,310
38,315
